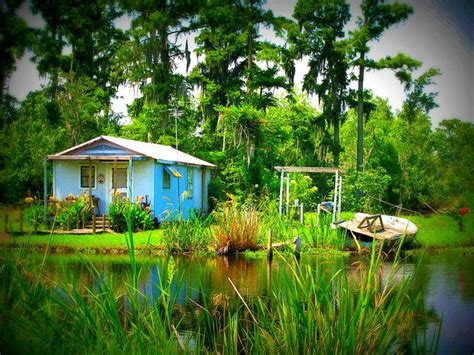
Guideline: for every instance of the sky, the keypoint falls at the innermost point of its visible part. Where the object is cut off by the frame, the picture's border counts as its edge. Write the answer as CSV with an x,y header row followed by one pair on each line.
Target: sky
x,y
440,33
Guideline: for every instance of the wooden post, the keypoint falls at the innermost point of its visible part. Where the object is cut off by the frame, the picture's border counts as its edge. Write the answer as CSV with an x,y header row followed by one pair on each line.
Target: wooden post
x,y
21,221
45,190
130,180
114,174
280,204
93,223
287,192
270,248
317,214
83,220
336,183
103,222
68,224
301,214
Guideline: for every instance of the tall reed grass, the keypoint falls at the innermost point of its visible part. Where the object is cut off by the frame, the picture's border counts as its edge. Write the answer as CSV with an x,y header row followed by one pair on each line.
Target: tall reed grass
x,y
239,224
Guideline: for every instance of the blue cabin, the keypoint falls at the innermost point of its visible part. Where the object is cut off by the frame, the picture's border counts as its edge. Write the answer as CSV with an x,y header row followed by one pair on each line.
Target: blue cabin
x,y
169,180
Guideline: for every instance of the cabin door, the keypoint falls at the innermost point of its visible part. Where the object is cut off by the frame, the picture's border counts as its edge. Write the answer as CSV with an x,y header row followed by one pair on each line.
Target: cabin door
x,y
121,180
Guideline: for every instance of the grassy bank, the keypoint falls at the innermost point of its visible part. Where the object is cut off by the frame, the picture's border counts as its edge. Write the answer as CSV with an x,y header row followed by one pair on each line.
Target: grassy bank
x,y
434,232
106,242
441,231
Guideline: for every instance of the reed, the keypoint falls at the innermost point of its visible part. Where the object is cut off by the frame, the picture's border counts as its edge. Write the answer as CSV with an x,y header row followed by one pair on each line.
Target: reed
x,y
238,224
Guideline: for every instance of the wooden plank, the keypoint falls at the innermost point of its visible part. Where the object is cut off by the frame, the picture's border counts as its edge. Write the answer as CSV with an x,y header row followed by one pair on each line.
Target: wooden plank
x,y
308,169
380,235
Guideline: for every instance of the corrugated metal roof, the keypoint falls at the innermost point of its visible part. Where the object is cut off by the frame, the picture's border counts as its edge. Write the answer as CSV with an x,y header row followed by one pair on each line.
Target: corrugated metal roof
x,y
155,151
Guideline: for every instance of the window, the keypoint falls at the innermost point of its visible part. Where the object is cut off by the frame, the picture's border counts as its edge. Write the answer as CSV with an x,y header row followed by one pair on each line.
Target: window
x,y
166,179
121,178
189,184
85,177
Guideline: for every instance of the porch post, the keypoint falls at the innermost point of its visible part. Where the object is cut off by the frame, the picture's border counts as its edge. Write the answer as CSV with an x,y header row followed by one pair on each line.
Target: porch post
x,y
114,173
336,182
90,185
45,190
280,203
287,192
130,181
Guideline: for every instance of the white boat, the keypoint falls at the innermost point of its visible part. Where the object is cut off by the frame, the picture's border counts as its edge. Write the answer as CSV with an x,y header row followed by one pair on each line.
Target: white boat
x,y
367,227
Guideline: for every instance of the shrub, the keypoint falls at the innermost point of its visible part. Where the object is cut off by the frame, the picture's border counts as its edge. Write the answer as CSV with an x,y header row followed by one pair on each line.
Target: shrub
x,y
33,214
70,209
239,224
188,235
140,219
360,188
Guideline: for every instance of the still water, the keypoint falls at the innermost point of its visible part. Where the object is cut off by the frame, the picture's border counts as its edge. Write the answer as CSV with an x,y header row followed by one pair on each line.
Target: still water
x,y
446,281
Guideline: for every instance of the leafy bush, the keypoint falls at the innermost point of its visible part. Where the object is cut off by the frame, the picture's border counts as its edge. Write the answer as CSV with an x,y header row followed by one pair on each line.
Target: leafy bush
x,y
34,214
188,235
70,209
140,219
360,188
239,224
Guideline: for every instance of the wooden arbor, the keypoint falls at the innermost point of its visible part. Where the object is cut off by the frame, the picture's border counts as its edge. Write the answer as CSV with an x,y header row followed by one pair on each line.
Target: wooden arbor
x,y
310,169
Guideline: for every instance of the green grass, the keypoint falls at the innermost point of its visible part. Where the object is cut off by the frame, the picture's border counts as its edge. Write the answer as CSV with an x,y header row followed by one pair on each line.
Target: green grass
x,y
441,231
153,238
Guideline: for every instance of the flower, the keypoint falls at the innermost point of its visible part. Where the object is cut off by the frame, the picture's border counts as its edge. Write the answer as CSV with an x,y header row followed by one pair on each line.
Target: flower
x,y
29,200
463,211
70,197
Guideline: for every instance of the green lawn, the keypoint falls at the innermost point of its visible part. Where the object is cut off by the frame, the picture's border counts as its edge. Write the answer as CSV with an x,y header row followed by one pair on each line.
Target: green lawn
x,y
142,239
439,231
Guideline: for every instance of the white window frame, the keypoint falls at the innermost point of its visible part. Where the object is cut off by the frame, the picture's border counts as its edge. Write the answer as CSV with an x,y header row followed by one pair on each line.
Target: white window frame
x,y
94,178
189,194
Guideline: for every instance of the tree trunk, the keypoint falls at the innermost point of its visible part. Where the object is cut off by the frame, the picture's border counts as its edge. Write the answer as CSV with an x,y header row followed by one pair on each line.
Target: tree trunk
x,y
250,51
360,114
336,141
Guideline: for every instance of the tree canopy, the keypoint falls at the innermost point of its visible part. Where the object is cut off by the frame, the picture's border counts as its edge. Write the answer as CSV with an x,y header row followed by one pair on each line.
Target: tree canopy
x,y
221,73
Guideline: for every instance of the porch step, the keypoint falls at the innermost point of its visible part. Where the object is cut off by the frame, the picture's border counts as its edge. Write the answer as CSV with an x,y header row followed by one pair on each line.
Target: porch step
x,y
100,222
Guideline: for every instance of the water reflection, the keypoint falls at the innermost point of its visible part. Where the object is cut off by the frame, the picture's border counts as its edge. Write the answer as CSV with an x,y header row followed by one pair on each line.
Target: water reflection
x,y
446,281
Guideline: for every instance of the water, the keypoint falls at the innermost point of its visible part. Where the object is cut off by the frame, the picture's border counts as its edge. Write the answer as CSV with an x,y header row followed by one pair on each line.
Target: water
x,y
446,281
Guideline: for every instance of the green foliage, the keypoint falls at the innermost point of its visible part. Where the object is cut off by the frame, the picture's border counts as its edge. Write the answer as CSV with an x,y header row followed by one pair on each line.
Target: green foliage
x,y
191,235
360,189
121,208
453,141
34,214
71,210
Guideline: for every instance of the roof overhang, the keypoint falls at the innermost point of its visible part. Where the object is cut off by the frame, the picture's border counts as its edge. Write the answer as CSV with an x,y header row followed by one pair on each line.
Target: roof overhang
x,y
96,157
309,169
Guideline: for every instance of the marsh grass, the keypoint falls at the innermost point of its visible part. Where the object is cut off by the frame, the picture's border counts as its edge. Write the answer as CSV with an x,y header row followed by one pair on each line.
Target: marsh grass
x,y
240,224
191,235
